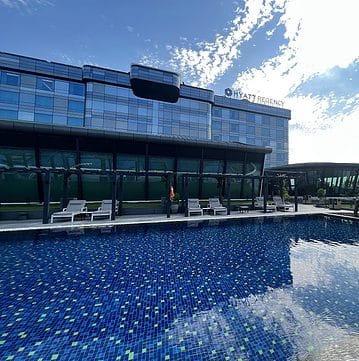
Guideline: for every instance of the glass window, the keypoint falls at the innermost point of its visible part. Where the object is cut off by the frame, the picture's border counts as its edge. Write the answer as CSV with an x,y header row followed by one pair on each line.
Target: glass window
x,y
101,161
8,114
26,116
235,167
76,106
251,130
212,166
234,114
44,102
122,108
188,165
75,122
28,81
142,111
43,118
250,117
9,97
61,87
111,107
98,105
265,120
12,157
57,158
76,89
60,119
110,89
45,84
280,134
18,187
216,125
28,99
131,162
10,79
161,164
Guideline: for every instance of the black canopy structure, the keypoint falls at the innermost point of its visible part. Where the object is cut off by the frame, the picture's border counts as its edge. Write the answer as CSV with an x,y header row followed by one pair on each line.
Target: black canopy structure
x,y
117,185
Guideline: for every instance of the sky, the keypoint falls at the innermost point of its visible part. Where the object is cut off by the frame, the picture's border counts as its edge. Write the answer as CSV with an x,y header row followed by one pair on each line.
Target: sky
x,y
304,52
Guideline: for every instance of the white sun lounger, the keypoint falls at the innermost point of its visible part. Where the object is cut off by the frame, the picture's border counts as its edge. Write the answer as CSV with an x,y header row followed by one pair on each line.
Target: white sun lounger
x,y
216,206
281,205
74,208
105,210
259,204
194,206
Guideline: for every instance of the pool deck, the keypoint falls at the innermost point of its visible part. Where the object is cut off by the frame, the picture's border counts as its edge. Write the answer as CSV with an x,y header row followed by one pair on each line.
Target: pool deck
x,y
36,224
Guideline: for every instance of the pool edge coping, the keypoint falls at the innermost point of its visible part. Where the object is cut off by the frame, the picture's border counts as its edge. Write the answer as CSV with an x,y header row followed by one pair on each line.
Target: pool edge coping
x,y
119,222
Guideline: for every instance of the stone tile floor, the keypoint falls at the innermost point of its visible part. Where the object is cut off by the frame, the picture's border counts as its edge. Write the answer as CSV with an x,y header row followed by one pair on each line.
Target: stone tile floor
x,y
35,224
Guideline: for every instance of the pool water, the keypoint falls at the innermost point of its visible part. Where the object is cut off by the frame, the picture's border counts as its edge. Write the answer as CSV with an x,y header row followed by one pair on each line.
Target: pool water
x,y
269,289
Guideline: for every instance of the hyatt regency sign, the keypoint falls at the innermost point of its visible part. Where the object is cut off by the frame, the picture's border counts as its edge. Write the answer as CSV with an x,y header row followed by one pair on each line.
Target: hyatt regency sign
x,y
236,94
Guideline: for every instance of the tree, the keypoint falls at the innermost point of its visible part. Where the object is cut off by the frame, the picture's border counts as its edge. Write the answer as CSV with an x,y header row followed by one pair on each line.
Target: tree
x,y
321,192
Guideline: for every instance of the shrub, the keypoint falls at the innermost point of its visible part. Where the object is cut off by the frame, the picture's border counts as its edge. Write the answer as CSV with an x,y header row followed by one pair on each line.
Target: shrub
x,y
321,192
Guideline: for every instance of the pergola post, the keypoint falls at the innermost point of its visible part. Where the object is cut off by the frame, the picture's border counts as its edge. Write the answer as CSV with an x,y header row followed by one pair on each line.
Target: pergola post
x,y
113,196
168,195
185,195
47,190
65,189
252,193
295,195
228,183
265,194
120,195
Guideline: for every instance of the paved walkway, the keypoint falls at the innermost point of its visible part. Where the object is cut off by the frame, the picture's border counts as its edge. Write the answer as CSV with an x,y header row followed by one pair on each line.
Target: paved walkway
x,y
303,209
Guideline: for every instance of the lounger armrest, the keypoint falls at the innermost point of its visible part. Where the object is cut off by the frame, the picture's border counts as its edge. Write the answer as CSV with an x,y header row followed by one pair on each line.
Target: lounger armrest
x,y
99,208
84,209
64,209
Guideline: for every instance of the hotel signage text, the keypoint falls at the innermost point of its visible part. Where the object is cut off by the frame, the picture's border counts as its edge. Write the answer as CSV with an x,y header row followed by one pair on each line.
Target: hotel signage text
x,y
236,94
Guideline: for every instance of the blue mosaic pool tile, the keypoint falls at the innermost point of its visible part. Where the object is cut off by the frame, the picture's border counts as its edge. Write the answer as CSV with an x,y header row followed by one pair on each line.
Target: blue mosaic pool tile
x,y
223,291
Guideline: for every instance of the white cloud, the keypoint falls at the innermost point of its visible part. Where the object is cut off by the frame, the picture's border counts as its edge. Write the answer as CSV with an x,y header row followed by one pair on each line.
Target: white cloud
x,y
321,35
337,143
210,60
318,36
27,5
129,28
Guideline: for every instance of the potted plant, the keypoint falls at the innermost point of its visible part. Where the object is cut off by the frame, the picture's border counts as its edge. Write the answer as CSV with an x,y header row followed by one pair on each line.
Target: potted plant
x,y
175,203
321,192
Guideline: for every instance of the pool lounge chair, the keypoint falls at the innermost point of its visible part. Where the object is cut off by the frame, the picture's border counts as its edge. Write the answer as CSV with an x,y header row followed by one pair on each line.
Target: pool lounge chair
x,y
259,204
194,206
74,208
216,206
281,205
105,210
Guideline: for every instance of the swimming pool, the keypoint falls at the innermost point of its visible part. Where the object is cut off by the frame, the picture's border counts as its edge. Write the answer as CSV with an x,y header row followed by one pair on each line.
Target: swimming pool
x,y
264,289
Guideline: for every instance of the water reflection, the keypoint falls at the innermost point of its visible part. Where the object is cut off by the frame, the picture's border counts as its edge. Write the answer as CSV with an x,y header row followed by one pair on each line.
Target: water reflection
x,y
283,290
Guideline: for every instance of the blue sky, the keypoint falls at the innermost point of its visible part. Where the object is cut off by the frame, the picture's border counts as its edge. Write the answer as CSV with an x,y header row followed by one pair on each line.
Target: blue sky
x,y
304,52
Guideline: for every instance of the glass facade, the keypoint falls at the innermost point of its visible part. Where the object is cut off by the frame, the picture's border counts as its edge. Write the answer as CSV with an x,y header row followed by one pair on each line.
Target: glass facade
x,y
90,97
234,125
338,179
41,99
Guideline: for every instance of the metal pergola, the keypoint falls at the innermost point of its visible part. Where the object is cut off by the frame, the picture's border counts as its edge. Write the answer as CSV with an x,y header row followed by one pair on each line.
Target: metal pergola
x,y
226,179
117,177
